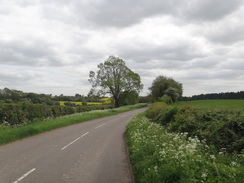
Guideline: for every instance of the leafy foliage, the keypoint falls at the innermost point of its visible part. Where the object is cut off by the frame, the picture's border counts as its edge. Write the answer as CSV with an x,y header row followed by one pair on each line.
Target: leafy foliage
x,y
161,157
163,85
115,78
221,128
166,99
23,113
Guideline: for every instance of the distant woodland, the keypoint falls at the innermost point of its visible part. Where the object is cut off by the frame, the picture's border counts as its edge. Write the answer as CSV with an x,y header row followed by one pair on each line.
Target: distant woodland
x,y
13,96
211,96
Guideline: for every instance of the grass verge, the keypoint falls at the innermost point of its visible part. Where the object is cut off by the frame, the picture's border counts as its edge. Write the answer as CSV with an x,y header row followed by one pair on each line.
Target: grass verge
x,y
13,133
161,157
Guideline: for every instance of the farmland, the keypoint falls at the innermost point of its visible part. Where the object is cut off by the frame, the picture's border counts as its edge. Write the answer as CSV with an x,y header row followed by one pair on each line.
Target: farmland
x,y
103,101
193,141
214,104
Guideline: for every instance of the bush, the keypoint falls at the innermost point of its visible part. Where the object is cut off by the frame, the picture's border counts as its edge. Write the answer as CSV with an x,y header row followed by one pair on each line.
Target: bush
x,y
168,115
161,157
166,99
156,110
221,128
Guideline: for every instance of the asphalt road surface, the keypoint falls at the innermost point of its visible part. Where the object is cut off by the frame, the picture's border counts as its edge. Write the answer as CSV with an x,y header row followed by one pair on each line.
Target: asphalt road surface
x,y
89,152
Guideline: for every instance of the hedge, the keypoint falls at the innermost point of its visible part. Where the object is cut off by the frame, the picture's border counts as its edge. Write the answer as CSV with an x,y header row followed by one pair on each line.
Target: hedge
x,y
23,113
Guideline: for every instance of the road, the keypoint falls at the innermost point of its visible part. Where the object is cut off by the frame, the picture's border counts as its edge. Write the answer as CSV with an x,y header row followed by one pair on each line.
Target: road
x,y
89,152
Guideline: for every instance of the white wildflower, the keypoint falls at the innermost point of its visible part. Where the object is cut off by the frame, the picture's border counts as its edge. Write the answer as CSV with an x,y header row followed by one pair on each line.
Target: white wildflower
x,y
204,175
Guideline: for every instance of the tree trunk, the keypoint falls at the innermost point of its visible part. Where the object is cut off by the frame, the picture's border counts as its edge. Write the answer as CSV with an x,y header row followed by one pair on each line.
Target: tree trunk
x,y
116,103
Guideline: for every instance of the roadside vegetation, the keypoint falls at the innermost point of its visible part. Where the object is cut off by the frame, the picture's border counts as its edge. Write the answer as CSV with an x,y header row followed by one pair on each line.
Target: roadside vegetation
x,y
188,143
27,113
9,133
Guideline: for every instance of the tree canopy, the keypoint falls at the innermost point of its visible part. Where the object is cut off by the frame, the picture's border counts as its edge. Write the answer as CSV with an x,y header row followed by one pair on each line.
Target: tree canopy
x,y
114,78
163,85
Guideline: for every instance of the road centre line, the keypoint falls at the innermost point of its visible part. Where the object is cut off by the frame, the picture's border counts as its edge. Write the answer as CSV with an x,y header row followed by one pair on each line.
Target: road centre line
x,y
74,141
25,175
100,125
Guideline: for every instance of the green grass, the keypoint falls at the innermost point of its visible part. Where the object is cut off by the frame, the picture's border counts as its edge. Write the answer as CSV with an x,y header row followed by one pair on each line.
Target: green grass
x,y
161,157
213,104
13,133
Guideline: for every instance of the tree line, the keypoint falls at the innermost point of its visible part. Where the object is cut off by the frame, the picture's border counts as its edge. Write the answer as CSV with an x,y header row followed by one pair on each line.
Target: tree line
x,y
211,96
13,96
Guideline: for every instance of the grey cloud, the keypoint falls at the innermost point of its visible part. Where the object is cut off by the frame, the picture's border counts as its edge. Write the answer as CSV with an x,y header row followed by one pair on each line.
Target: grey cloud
x,y
236,65
227,35
209,10
119,13
14,78
35,53
171,54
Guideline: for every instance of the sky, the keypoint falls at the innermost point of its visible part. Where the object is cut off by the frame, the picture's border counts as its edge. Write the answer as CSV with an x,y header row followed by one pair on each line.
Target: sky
x,y
50,46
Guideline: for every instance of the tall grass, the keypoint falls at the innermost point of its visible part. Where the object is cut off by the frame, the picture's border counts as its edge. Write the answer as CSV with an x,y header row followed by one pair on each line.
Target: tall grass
x,y
161,157
12,133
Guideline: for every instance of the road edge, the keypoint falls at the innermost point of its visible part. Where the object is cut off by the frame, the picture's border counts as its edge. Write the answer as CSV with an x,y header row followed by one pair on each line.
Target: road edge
x,y
128,158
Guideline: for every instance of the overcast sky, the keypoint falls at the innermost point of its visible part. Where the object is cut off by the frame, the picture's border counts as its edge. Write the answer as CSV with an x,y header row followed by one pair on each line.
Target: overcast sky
x,y
49,46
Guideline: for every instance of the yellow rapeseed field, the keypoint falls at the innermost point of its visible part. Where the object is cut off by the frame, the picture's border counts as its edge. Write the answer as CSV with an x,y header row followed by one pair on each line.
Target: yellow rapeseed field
x,y
104,101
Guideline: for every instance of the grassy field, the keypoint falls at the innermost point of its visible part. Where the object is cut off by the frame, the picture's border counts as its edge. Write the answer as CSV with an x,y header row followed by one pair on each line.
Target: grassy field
x,y
213,104
12,133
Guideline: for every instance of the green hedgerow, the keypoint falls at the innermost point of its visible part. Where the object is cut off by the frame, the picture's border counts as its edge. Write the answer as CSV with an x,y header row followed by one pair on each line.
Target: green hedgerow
x,y
158,156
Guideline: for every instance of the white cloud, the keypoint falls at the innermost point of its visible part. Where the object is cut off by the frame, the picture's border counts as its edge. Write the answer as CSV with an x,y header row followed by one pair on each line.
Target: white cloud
x,y
50,46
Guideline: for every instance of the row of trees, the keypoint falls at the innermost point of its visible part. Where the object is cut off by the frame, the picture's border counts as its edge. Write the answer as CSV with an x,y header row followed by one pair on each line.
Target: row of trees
x,y
14,96
223,95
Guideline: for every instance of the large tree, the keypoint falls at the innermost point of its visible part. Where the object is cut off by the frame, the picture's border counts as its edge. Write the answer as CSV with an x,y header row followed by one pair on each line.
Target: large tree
x,y
115,78
163,85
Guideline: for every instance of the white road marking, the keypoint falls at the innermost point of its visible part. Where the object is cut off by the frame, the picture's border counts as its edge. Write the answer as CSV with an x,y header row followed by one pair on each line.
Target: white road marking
x,y
25,175
74,140
100,125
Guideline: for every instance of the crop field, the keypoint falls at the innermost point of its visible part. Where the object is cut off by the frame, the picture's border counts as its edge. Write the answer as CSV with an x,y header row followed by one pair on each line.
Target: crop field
x,y
214,104
103,101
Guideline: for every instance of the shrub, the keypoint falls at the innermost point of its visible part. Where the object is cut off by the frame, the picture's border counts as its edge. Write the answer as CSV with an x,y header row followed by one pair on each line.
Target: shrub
x,y
221,128
168,115
166,99
161,157
156,109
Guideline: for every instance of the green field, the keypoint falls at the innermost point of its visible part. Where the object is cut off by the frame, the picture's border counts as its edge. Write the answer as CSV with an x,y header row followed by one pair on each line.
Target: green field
x,y
213,104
